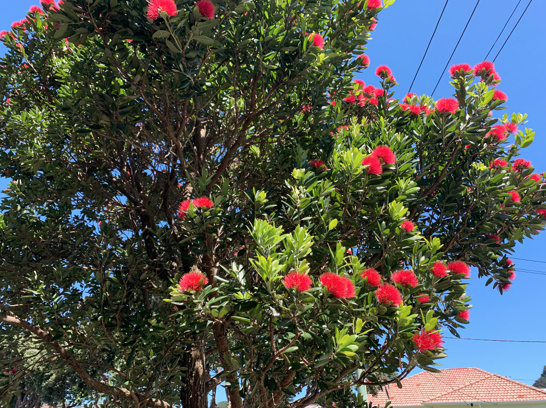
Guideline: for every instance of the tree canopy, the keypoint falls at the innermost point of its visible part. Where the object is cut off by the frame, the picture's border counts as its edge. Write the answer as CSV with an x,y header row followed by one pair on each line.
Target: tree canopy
x,y
202,197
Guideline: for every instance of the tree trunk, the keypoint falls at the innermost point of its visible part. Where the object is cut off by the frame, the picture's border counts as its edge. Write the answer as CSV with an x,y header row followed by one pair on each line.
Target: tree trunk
x,y
193,392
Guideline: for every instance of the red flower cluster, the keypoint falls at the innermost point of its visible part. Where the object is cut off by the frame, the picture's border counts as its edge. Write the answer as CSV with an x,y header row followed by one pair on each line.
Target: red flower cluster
x,y
511,128
340,286
505,286
542,212
495,237
36,9
423,298
384,154
374,165
364,60
405,277
192,281
374,24
157,6
535,177
509,261
499,96
317,39
206,8
460,69
484,69
439,270
512,275
388,295
447,105
459,267
465,314
499,163
427,340
318,164
407,226
48,3
203,202
516,198
373,4
298,281
520,164
383,71
499,132
374,278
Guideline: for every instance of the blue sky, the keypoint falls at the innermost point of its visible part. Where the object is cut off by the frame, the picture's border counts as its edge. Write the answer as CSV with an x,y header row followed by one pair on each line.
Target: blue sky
x,y
399,42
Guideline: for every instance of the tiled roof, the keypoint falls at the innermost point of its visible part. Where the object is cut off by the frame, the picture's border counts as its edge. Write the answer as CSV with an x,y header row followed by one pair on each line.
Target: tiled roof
x,y
457,385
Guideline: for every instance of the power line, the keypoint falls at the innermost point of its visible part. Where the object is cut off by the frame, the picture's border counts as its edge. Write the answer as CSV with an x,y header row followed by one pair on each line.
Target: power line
x,y
498,340
502,31
456,46
509,35
529,260
429,42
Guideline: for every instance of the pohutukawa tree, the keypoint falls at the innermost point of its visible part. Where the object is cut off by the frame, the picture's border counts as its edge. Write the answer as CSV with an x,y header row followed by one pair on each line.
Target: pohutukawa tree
x,y
203,197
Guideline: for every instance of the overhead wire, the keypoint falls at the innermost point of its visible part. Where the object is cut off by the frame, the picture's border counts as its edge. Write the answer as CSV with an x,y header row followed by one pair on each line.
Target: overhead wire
x,y
456,46
509,35
497,340
502,31
429,42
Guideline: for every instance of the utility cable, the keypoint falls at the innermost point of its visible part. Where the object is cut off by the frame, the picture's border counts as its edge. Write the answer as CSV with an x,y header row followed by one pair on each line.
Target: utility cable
x,y
456,46
499,340
509,35
429,42
502,31
529,260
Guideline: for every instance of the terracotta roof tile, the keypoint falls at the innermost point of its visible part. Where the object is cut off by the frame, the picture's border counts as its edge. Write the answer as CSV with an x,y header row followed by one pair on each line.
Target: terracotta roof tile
x,y
457,385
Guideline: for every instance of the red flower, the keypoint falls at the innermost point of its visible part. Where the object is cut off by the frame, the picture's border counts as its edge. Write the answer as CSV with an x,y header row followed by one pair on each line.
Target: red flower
x,y
318,40
192,281
374,278
427,340
426,109
505,286
404,106
359,82
459,267
520,164
206,8
3,34
197,202
439,269
459,69
318,164
340,286
499,163
542,212
373,4
499,132
364,60
405,277
423,298
409,96
447,105
388,295
47,2
298,281
499,96
516,198
157,6
374,24
183,208
495,237
373,101
465,314
509,261
416,110
384,154
379,92
374,165
484,69
36,9
511,128
512,275
383,71
350,99
535,177
407,226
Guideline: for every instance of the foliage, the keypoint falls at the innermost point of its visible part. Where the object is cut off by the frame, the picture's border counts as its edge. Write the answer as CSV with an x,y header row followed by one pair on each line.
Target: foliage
x,y
541,381
114,120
